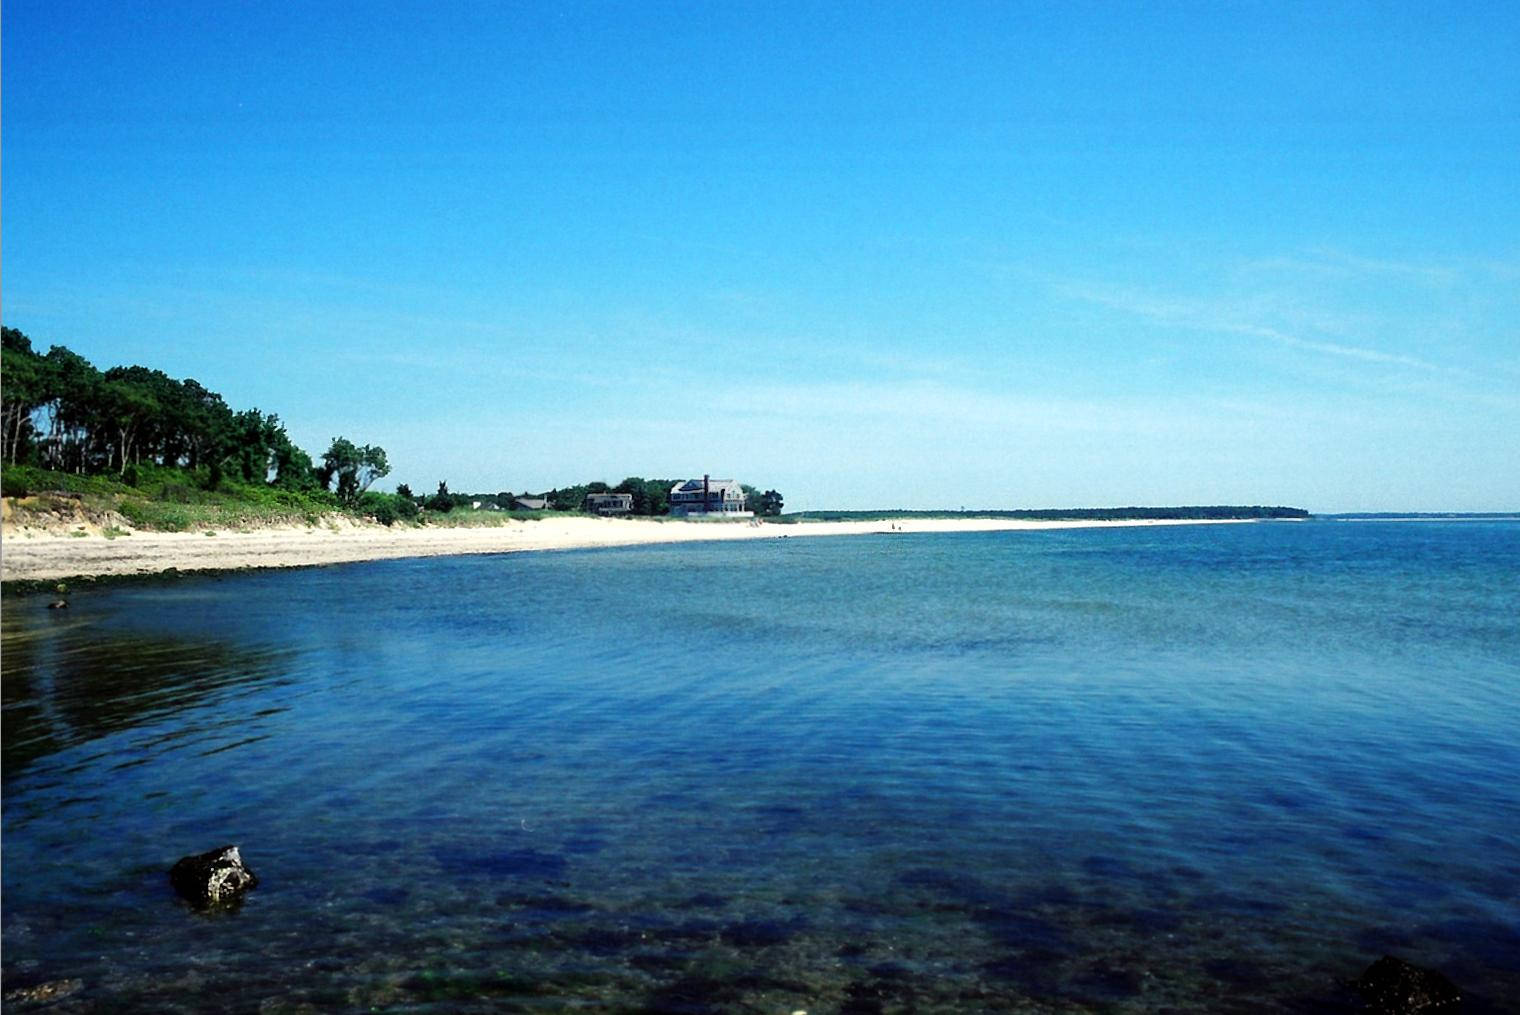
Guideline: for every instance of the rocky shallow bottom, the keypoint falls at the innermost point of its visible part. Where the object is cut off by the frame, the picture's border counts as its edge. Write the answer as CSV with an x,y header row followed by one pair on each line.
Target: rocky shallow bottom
x,y
511,931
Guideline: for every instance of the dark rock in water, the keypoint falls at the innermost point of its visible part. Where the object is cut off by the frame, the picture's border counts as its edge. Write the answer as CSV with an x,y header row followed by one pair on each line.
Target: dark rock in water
x,y
211,879
59,604
1395,987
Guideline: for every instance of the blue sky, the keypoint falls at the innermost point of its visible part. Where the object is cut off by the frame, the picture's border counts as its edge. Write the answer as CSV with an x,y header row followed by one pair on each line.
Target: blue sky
x,y
871,255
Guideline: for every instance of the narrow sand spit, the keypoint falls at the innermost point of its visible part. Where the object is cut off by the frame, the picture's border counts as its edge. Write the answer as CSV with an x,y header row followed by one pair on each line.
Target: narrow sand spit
x,y
36,554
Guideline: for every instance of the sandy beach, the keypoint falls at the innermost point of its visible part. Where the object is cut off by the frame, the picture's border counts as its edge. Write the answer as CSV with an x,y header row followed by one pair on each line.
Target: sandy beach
x,y
48,554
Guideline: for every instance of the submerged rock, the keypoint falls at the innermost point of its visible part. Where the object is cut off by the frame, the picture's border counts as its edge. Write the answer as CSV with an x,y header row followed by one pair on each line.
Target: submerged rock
x,y
216,878
1395,987
43,992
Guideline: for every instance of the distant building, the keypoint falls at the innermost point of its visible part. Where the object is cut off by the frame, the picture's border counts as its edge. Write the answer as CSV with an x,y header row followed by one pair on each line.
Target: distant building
x,y
706,497
530,504
609,503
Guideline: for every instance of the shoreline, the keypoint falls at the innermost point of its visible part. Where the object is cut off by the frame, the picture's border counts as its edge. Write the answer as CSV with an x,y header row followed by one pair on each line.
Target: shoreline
x,y
33,555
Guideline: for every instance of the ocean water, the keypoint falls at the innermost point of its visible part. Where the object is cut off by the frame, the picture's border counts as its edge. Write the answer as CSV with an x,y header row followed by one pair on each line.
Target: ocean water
x,y
1190,769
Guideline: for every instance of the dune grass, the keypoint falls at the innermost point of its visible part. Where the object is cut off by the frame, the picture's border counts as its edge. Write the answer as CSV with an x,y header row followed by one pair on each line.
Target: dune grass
x,y
158,499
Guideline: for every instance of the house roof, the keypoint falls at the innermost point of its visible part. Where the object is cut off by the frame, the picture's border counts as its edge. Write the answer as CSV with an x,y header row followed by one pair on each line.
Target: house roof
x,y
714,485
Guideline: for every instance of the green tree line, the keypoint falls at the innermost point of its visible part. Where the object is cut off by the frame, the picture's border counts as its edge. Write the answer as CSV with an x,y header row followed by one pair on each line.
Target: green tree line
x,y
60,412
651,497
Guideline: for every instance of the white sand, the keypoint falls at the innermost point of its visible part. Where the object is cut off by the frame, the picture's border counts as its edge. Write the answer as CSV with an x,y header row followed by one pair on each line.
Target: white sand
x,y
44,554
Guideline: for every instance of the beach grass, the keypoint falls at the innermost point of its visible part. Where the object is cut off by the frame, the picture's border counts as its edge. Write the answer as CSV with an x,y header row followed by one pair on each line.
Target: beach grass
x,y
465,518
155,499
158,499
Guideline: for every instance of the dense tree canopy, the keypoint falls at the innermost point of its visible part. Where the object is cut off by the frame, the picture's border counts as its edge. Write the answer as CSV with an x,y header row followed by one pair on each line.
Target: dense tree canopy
x,y
61,413
22,376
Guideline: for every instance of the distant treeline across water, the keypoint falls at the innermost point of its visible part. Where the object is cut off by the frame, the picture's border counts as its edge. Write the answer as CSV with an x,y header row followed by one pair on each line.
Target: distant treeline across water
x,y
1117,514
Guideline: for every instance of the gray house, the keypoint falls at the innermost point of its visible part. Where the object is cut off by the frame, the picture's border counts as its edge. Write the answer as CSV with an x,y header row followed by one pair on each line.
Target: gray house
x,y
609,503
708,497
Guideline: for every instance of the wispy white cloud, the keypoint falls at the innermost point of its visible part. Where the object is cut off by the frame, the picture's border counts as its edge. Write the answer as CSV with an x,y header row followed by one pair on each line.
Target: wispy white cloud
x,y
1233,317
1330,262
969,412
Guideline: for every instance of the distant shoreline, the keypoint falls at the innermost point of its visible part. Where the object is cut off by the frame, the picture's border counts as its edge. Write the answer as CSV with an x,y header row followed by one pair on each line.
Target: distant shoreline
x,y
1426,516
1210,512
35,555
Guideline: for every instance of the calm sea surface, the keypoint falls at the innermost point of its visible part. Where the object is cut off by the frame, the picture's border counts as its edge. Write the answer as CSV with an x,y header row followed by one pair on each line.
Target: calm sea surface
x,y
1199,769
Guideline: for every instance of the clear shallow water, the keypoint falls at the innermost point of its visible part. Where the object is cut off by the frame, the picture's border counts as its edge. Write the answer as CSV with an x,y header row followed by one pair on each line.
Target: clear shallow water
x,y
1215,768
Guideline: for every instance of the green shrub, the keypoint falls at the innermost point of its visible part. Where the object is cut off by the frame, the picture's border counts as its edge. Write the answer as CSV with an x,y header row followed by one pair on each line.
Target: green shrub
x,y
14,483
32,479
177,493
155,515
175,499
385,513
133,511
387,508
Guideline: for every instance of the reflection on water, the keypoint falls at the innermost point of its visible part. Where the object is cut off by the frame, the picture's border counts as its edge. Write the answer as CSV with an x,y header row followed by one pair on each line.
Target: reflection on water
x,y
1198,770
67,682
